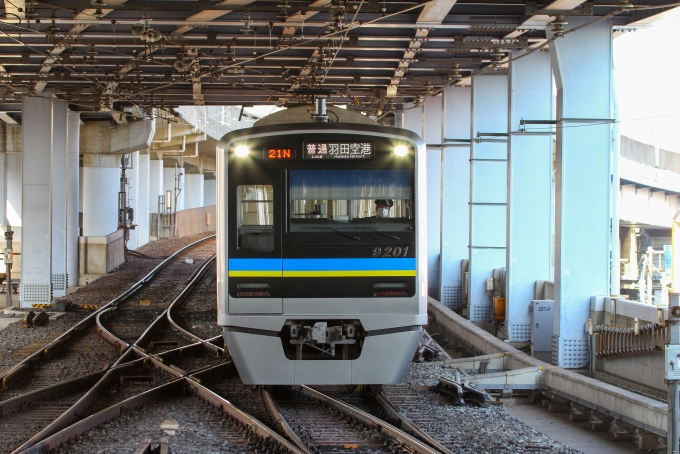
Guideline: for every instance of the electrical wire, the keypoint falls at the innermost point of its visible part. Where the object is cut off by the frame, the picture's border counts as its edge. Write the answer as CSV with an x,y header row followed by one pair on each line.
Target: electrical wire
x,y
353,25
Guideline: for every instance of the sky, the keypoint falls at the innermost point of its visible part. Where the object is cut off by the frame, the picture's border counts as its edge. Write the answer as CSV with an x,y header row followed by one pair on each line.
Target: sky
x,y
647,77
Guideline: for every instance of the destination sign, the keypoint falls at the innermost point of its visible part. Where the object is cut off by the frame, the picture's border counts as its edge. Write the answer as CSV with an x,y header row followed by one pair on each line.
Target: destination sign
x,y
279,153
338,150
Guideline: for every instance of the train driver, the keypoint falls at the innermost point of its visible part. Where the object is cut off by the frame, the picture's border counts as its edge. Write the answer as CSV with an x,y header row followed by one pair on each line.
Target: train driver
x,y
382,208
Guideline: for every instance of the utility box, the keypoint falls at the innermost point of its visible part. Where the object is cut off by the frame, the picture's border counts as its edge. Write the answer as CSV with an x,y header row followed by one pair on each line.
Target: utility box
x,y
542,319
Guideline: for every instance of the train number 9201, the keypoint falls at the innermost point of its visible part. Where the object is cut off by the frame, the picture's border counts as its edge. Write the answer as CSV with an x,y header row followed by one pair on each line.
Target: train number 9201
x,y
390,252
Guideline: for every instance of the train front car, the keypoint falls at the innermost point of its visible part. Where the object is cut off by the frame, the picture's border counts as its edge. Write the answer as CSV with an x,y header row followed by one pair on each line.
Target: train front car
x,y
321,248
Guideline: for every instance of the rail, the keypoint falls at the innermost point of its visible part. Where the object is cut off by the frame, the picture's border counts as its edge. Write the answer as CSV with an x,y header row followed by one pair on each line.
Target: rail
x,y
399,438
26,363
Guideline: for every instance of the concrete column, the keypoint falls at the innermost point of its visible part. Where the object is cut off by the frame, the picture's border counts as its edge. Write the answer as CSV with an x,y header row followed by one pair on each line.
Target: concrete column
x,y
194,197
14,196
413,120
59,198
132,190
155,190
155,184
3,191
3,175
582,65
72,198
36,267
455,183
432,134
210,192
142,212
488,191
529,189
13,205
101,183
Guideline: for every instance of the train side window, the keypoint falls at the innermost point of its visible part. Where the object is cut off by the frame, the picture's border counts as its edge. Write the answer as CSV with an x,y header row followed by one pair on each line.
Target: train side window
x,y
255,221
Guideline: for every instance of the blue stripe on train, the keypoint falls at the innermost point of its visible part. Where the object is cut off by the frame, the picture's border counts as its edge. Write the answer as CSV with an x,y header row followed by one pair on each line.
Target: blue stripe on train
x,y
352,264
255,264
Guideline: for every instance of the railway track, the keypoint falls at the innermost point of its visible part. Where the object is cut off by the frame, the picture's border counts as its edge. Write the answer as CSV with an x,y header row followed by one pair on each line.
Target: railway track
x,y
335,418
164,365
47,384
159,380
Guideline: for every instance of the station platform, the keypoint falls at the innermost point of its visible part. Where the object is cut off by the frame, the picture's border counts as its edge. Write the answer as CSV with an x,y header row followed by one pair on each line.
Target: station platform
x,y
637,415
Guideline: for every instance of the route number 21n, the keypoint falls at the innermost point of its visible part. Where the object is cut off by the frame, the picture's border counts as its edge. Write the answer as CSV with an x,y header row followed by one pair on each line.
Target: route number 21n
x,y
390,252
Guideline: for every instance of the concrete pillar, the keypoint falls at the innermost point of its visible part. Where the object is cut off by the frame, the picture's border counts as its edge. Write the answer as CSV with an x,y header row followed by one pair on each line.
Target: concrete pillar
x,y
73,197
101,183
3,175
432,134
194,197
3,192
455,183
59,198
142,212
413,120
210,192
488,191
132,189
582,65
36,255
155,190
14,196
529,189
155,184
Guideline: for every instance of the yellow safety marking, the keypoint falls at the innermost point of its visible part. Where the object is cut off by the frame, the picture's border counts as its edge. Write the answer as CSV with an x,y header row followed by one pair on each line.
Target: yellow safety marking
x,y
145,302
41,306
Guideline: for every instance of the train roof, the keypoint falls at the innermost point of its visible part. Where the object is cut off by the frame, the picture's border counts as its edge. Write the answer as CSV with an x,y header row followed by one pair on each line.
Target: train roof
x,y
301,114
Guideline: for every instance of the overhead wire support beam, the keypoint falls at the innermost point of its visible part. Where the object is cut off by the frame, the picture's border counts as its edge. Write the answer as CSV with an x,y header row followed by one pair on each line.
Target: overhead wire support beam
x,y
567,120
492,134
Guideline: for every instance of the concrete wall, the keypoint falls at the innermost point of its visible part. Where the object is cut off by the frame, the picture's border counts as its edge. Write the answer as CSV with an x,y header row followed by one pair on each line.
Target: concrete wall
x,y
100,255
210,192
647,206
195,220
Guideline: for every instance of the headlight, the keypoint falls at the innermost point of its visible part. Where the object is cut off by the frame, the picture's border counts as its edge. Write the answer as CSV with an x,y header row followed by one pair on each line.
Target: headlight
x,y
400,150
242,151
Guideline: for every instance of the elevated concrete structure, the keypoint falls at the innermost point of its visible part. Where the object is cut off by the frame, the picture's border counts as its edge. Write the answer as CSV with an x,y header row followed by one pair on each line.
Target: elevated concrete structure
x,y
101,137
499,224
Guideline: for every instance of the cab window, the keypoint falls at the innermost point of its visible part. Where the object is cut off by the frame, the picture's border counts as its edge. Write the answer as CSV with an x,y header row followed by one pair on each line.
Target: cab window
x,y
255,223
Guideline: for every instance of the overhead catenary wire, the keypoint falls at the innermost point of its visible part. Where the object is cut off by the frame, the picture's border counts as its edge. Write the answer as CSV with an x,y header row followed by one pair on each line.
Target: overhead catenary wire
x,y
344,32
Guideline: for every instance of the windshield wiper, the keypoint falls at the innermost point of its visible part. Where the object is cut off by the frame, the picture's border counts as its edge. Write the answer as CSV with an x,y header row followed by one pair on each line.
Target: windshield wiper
x,y
341,233
382,233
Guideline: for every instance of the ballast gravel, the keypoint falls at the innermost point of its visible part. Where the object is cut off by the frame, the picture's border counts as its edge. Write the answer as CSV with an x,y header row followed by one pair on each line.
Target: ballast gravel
x,y
16,336
197,433
489,429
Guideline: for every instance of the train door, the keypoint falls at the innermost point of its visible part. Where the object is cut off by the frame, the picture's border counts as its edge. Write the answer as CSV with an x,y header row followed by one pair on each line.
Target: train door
x,y
255,261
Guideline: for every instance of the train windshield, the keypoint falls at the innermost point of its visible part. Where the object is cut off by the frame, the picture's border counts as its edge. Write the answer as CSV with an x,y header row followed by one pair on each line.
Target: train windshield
x,y
256,217
378,199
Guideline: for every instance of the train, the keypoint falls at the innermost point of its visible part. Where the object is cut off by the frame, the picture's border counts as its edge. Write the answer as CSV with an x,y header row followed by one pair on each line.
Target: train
x,y
321,248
